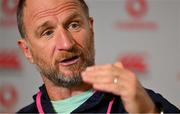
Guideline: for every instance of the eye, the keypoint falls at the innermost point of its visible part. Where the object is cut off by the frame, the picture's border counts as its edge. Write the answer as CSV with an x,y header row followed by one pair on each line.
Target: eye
x,y
74,26
47,33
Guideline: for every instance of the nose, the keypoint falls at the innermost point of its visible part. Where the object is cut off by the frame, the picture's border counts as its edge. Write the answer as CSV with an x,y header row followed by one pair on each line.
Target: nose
x,y
64,40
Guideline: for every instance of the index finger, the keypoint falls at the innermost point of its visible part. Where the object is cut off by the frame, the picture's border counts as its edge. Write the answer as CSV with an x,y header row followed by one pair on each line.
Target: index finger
x,y
119,64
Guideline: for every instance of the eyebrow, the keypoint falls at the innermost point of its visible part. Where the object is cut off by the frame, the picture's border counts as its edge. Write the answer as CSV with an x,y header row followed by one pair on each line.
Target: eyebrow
x,y
73,16
44,25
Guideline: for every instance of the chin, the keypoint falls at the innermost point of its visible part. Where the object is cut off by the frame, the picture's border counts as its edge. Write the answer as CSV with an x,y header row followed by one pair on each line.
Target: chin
x,y
71,73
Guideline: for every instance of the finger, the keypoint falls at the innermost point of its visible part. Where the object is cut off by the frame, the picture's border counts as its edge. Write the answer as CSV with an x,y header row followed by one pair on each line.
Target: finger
x,y
103,70
99,73
115,69
100,67
102,74
111,88
118,64
97,77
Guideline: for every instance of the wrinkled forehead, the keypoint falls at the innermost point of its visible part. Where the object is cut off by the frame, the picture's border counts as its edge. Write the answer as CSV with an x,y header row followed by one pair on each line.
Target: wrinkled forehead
x,y
35,7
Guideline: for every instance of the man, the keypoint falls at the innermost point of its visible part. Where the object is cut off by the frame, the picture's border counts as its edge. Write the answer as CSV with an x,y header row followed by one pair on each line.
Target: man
x,y
58,37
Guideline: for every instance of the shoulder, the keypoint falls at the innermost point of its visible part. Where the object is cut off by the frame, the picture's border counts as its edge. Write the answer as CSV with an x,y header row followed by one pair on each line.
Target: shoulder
x,y
162,103
29,109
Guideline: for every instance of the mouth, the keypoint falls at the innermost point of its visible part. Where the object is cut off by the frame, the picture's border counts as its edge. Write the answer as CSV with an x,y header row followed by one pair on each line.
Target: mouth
x,y
69,61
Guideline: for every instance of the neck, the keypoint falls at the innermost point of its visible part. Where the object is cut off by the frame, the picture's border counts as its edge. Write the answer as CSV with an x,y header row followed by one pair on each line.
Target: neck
x,y
59,93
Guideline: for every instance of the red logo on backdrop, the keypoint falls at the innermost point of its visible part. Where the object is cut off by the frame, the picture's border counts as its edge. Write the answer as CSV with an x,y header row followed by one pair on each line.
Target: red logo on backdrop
x,y
136,9
135,62
8,11
8,96
9,60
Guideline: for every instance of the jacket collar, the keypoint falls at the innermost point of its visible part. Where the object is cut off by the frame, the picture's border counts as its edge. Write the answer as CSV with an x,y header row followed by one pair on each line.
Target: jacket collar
x,y
45,100
96,99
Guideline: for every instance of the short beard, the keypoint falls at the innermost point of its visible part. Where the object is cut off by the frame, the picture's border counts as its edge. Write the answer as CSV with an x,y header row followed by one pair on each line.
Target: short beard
x,y
59,78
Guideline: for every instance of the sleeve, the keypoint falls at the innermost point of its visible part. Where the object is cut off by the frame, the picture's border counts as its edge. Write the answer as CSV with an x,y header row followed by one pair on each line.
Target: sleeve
x,y
161,103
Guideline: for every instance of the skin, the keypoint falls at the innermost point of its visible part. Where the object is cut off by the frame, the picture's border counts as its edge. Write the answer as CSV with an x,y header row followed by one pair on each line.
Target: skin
x,y
53,29
134,97
48,47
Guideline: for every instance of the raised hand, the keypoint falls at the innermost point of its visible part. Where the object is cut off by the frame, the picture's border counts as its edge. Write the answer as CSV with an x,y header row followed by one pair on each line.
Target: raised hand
x,y
116,79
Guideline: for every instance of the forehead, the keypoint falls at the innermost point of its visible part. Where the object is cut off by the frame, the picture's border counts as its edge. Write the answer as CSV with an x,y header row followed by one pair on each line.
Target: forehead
x,y
37,7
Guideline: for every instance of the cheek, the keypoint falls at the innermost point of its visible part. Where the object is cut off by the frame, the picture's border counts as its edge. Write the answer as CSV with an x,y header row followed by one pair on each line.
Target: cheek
x,y
43,51
85,40
89,42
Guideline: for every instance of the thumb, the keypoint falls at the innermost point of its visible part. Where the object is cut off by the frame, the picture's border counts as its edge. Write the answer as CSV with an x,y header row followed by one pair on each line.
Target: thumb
x,y
118,64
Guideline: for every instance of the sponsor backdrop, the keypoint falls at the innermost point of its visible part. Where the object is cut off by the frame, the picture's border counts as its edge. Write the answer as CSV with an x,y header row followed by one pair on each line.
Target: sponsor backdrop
x,y
143,34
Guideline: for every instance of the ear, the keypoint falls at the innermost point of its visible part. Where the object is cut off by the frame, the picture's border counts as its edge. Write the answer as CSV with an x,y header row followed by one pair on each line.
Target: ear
x,y
91,22
91,25
22,43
